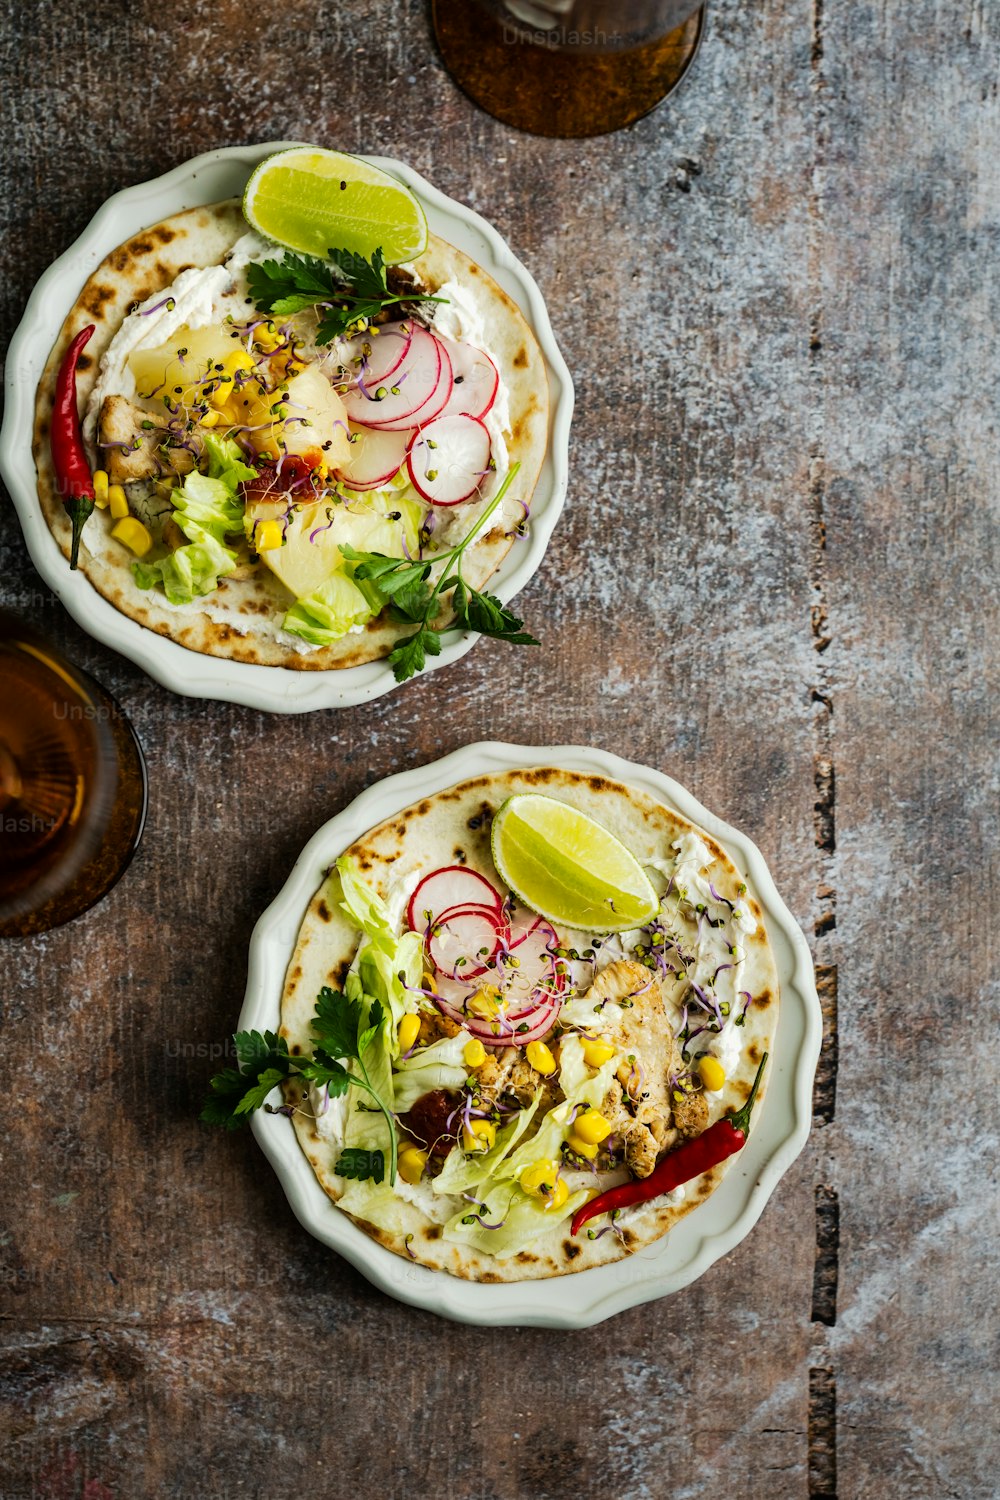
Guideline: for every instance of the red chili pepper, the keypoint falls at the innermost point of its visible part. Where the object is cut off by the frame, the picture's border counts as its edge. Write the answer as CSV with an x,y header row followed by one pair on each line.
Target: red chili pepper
x,y
69,459
720,1140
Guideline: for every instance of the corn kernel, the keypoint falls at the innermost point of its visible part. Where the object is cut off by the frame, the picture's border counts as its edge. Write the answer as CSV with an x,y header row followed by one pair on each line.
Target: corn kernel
x,y
479,1135
557,1197
596,1054
539,1179
540,1058
266,336
239,360
117,501
430,983
474,1053
267,536
713,1075
133,534
100,479
592,1127
223,389
580,1147
411,1164
409,1026
211,418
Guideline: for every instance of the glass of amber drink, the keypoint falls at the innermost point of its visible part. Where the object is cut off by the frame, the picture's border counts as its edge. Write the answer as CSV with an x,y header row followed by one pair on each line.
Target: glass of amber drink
x,y
72,786
568,67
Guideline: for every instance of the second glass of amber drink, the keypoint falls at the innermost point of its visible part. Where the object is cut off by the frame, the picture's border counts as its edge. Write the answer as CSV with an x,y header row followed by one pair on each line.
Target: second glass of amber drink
x,y
568,67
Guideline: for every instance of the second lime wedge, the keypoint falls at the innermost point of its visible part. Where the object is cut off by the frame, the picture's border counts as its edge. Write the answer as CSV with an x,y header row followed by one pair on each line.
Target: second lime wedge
x,y
569,868
315,201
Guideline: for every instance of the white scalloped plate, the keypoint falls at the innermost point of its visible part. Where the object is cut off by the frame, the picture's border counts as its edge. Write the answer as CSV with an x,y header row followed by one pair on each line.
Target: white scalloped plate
x,y
709,1231
207,179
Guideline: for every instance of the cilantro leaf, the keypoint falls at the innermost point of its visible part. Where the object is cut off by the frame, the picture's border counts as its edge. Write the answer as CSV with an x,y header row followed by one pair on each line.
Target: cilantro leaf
x,y
410,656
360,1165
367,277
255,1095
350,290
258,1049
336,1023
485,613
326,1072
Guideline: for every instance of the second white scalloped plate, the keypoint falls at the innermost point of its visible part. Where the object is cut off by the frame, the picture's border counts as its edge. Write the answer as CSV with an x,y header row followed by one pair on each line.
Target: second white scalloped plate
x,y
207,179
709,1231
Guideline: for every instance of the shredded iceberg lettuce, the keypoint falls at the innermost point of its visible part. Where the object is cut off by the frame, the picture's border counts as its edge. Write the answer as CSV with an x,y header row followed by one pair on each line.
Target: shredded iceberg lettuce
x,y
188,572
461,1173
332,610
518,1218
439,1066
388,967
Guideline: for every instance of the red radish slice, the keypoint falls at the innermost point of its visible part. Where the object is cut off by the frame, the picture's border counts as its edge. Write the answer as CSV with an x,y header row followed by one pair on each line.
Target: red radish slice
x,y
476,378
531,970
386,351
460,944
449,459
429,410
405,392
506,1034
521,925
431,406
446,890
376,457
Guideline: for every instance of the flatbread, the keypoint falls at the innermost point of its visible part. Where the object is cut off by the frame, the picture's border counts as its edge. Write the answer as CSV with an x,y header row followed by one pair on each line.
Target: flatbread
x,y
454,827
152,261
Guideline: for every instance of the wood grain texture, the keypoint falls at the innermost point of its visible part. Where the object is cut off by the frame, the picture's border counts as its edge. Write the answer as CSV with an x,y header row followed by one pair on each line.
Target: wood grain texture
x,y
775,579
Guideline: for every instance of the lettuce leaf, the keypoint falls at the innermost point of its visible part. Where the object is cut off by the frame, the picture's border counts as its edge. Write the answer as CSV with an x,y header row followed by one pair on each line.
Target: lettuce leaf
x,y
205,507
226,462
386,964
439,1066
461,1173
522,1219
188,572
327,614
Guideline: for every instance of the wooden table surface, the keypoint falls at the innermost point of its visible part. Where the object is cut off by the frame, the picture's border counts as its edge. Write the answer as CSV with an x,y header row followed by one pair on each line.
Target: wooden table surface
x,y
775,579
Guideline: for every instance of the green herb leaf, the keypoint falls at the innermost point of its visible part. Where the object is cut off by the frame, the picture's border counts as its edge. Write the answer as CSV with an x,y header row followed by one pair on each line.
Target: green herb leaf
x,y
485,613
410,656
336,1023
361,1165
351,289
254,1096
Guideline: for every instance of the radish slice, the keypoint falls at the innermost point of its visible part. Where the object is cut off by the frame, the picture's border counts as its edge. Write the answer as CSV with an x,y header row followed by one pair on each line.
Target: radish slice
x,y
376,457
504,1032
431,407
520,925
386,351
449,458
447,889
406,392
476,378
460,943
530,971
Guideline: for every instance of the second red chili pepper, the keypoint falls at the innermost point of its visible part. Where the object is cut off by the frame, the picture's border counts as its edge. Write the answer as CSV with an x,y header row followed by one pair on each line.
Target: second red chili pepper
x,y
69,458
719,1141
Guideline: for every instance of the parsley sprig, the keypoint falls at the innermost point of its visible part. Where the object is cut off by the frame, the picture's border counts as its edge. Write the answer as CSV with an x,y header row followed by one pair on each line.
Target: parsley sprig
x,y
343,1033
349,290
412,598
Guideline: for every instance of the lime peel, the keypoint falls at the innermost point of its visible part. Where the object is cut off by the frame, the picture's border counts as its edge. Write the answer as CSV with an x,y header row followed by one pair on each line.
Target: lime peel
x,y
569,868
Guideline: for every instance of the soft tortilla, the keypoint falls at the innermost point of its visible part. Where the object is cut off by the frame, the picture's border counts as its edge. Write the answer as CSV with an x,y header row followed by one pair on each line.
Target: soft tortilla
x,y
454,827
202,237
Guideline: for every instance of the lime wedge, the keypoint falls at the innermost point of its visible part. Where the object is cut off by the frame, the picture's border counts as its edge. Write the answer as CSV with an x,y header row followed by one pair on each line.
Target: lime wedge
x,y
315,201
568,868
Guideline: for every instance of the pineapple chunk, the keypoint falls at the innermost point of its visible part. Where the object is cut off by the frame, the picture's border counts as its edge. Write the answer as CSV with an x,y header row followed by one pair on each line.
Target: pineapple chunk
x,y
158,372
304,566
